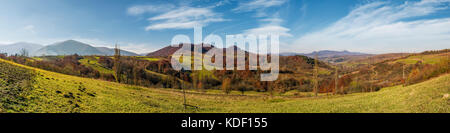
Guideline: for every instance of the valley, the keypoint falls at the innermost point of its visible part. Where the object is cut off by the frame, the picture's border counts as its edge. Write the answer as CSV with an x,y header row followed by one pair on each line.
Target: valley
x,y
54,92
147,84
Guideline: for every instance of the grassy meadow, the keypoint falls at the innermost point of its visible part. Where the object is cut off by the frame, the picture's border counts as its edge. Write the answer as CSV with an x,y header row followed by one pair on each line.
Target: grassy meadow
x,y
59,93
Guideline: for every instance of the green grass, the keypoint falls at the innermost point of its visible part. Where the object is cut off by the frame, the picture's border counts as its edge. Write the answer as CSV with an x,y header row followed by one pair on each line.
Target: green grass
x,y
54,92
93,63
37,58
426,59
147,58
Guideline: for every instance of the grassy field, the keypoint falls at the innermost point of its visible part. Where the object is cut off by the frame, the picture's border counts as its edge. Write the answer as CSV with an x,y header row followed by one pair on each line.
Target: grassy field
x,y
92,62
426,59
147,58
54,92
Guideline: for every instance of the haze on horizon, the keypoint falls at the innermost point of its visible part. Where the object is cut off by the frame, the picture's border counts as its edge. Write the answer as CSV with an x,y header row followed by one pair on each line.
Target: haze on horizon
x,y
381,26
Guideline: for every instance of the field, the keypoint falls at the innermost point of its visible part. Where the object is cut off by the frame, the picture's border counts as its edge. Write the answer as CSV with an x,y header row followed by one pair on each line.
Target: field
x,y
426,59
92,62
147,58
54,92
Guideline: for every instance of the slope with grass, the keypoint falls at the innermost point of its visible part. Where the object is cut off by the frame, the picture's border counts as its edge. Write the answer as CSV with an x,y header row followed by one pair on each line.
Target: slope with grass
x,y
92,61
424,58
54,92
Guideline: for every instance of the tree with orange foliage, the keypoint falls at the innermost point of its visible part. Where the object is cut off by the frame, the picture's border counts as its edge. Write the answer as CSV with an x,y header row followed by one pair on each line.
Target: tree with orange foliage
x,y
226,85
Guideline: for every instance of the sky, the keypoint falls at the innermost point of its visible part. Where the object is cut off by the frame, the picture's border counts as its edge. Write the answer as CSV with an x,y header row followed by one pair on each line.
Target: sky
x,y
142,26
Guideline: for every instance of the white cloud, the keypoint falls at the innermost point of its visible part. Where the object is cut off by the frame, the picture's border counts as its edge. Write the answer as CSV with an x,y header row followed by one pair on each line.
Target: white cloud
x,y
30,29
258,4
184,18
272,20
269,29
141,9
380,26
140,48
270,25
222,2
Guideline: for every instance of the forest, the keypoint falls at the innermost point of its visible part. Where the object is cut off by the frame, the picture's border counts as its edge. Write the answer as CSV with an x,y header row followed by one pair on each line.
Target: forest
x,y
298,73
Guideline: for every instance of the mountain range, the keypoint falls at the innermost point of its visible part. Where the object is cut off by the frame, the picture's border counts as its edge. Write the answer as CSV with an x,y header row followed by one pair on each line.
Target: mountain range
x,y
325,54
169,50
75,47
68,47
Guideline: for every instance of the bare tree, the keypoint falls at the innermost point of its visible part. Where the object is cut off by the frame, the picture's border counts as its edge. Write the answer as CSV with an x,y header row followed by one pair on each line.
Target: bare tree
x,y
117,67
336,78
316,75
371,74
183,76
368,72
23,52
226,85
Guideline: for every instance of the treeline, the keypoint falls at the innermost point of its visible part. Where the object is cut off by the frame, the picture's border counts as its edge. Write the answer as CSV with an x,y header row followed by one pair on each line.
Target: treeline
x,y
296,73
385,74
160,74
142,72
67,65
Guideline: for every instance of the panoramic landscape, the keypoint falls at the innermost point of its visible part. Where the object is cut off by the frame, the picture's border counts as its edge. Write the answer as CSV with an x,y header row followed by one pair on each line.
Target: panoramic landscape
x,y
373,58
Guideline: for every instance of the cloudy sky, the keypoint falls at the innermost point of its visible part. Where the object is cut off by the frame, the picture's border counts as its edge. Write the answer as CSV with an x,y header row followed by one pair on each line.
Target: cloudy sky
x,y
371,26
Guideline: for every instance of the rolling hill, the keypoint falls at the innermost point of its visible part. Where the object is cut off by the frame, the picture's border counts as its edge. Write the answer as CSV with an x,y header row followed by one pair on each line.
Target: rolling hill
x,y
332,56
110,51
325,53
54,92
169,50
70,47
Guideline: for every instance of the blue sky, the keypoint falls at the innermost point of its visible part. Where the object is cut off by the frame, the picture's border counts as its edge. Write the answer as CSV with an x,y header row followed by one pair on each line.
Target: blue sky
x,y
372,26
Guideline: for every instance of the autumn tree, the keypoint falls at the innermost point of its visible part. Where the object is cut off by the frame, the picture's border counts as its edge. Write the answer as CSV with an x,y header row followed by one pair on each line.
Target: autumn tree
x,y
117,65
23,52
226,85
336,78
316,75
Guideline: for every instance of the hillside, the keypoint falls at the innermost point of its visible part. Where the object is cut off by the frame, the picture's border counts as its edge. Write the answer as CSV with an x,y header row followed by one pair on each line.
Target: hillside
x,y
71,47
324,53
54,92
110,52
68,47
330,53
169,50
331,56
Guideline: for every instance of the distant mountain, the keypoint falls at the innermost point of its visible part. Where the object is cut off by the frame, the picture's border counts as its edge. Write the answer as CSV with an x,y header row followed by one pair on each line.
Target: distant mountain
x,y
331,56
70,47
290,54
169,50
16,48
330,53
326,53
143,54
110,51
